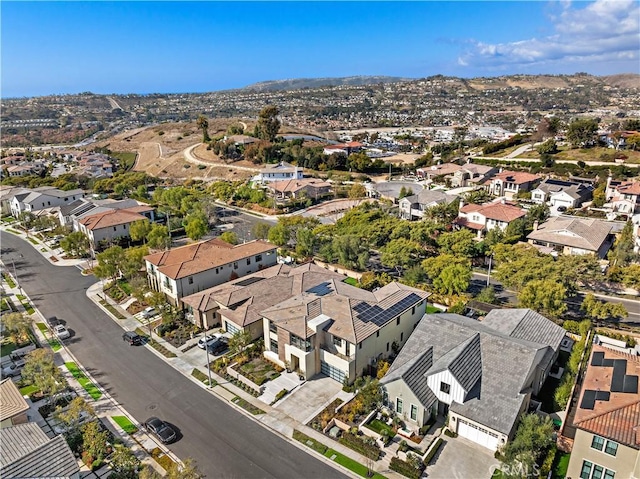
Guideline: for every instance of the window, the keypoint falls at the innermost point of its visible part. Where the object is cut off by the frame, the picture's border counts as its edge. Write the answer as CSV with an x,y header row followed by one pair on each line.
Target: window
x,y
401,337
337,341
235,265
398,320
585,472
414,412
594,471
114,228
445,388
273,345
612,448
609,474
378,334
190,279
302,344
248,261
258,257
399,405
360,345
387,346
597,443
413,310
272,327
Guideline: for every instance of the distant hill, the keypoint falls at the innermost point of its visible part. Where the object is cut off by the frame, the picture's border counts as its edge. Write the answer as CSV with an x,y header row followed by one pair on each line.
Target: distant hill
x,y
300,83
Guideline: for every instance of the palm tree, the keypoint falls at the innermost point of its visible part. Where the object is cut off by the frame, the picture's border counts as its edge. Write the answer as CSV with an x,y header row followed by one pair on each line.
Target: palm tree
x,y
203,124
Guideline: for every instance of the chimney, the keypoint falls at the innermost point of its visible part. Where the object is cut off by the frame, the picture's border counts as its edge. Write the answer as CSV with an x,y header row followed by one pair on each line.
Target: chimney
x,y
536,223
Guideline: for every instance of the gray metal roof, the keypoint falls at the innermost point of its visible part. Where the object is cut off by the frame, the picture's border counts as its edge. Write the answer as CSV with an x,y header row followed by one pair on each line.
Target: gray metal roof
x,y
27,452
525,324
495,367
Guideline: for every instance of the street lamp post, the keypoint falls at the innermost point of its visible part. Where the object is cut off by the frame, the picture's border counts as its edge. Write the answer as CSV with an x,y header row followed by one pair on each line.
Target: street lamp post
x,y
206,348
489,272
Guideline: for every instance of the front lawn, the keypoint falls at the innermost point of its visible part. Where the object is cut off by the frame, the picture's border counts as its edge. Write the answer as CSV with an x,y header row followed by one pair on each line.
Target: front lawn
x,y
258,370
379,426
28,390
432,309
7,346
560,465
351,464
126,425
351,281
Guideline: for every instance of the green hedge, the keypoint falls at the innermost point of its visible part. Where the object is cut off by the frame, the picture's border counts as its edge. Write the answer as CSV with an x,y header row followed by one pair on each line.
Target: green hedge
x,y
434,450
359,445
405,468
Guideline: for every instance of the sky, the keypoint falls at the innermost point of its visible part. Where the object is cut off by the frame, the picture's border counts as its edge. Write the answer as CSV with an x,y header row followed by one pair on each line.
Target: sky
x,y
188,47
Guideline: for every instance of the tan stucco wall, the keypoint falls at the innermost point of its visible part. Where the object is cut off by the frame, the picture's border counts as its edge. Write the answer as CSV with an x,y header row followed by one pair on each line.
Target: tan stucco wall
x,y
626,462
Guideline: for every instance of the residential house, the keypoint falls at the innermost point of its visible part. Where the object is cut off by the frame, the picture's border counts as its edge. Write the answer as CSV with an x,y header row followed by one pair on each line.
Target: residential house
x,y
478,374
510,183
440,170
95,165
69,215
624,197
607,418
561,193
573,236
13,407
6,196
471,174
195,267
341,330
112,225
413,207
44,197
237,305
483,218
27,452
279,172
305,188
346,148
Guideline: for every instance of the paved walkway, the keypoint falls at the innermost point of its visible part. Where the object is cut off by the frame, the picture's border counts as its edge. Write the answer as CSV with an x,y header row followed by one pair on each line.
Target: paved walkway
x,y
304,400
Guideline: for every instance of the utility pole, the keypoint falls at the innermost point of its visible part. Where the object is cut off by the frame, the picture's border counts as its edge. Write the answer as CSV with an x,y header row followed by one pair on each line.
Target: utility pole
x,y
489,272
206,348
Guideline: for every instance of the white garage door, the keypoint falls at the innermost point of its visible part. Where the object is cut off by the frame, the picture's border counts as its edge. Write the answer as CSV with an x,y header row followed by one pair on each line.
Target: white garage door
x,y
478,434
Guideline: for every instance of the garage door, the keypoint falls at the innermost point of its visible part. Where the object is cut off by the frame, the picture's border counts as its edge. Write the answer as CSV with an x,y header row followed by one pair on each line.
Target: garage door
x,y
332,371
478,434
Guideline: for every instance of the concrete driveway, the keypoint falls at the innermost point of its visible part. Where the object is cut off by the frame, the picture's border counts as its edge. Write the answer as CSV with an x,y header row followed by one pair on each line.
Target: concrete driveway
x,y
460,458
309,399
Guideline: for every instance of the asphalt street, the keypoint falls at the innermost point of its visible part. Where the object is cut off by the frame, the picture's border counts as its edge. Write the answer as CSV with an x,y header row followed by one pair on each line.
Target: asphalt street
x,y
224,442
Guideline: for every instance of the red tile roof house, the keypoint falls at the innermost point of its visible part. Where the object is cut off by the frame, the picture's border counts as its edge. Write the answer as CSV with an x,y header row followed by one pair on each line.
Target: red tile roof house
x,y
607,418
109,226
626,198
310,187
510,183
189,269
482,218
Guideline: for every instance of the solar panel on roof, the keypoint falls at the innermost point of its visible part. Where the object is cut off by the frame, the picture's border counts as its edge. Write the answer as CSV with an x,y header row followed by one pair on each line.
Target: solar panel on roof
x,y
321,290
630,385
588,399
597,358
617,378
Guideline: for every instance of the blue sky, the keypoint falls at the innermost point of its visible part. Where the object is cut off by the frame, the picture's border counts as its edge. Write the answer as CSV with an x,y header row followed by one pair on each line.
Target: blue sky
x,y
170,47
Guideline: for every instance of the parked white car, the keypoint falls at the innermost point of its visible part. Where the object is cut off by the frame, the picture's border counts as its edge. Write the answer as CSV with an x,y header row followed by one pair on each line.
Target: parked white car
x,y
149,312
12,369
61,332
207,340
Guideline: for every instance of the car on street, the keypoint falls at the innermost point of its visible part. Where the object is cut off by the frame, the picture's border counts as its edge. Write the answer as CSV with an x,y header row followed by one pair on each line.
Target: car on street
x,y
208,339
52,322
133,338
61,332
148,312
160,429
12,369
220,345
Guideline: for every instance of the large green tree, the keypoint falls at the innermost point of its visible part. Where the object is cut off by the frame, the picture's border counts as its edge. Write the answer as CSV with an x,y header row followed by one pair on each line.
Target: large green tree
x,y
75,244
453,279
400,252
533,438
268,124
158,237
139,230
582,132
41,371
545,296
17,325
203,124
196,225
110,263
600,310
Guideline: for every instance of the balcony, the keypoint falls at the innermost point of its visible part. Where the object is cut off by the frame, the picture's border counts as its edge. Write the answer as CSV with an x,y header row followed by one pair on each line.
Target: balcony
x,y
331,349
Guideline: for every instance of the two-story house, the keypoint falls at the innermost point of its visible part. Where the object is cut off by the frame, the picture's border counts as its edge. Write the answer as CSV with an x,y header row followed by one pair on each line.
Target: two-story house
x,y
340,330
313,188
112,225
573,235
483,218
509,183
626,198
565,193
188,269
453,366
279,172
42,198
237,305
413,207
607,418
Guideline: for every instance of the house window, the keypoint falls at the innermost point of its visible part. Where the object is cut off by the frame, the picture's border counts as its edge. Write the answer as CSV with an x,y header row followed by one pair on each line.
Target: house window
x,y
235,265
445,388
190,279
387,346
337,341
612,448
258,257
414,412
302,344
378,334
360,345
413,310
597,443
217,270
114,228
248,261
398,320
272,327
273,345
399,405
594,471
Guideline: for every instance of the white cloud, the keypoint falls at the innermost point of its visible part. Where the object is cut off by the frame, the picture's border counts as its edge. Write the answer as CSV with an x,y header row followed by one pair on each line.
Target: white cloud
x,y
583,35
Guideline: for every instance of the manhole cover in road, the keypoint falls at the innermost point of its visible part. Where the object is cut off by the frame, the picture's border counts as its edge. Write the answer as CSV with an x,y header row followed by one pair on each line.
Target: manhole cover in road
x,y
151,407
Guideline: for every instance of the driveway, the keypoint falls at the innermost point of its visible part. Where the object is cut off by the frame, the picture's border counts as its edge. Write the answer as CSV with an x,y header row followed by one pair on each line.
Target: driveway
x,y
309,399
460,458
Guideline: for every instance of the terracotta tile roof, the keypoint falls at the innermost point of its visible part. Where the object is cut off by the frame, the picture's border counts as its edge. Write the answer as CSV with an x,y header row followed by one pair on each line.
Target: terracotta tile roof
x,y
498,211
517,177
468,224
631,188
203,256
113,218
618,417
11,401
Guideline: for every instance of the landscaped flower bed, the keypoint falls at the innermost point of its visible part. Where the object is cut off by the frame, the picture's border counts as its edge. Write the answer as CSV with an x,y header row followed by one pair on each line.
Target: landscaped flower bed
x,y
258,370
325,416
361,445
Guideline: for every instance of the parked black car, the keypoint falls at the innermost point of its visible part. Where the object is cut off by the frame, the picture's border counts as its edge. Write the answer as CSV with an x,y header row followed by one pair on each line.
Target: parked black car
x,y
160,429
52,322
219,345
133,338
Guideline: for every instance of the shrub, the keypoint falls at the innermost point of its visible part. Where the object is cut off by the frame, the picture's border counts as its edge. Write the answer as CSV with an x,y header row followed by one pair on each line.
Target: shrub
x,y
450,433
434,450
359,445
405,468
201,167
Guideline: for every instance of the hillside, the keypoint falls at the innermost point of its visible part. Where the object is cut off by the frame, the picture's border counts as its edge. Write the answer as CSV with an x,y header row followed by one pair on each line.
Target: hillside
x,y
301,83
